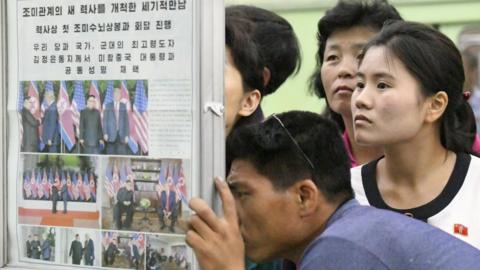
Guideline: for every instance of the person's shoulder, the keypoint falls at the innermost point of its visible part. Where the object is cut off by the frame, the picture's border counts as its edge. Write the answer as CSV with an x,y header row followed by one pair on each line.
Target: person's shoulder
x,y
475,163
357,185
330,252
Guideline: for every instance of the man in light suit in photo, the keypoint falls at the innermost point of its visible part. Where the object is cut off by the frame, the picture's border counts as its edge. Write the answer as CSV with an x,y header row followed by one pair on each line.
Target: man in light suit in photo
x,y
88,251
51,132
90,127
115,126
133,254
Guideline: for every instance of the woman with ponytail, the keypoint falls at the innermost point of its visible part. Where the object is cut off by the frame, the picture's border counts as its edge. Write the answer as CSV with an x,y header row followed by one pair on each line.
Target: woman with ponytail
x,y
409,101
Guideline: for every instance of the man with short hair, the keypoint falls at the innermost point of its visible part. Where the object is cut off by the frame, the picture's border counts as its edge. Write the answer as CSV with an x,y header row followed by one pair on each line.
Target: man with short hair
x,y
110,253
76,250
51,132
30,128
59,192
29,246
262,51
35,247
90,127
124,205
292,198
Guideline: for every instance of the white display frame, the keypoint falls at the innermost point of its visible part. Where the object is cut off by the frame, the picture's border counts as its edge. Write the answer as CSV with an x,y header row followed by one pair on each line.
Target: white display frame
x,y
208,126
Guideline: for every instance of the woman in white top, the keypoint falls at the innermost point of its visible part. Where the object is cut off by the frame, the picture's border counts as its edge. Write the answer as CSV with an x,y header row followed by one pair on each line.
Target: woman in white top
x,y
409,100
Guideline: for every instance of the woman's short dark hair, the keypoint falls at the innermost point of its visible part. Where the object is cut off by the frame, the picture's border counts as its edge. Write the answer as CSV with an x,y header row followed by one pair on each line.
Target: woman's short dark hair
x,y
276,41
274,154
347,14
436,63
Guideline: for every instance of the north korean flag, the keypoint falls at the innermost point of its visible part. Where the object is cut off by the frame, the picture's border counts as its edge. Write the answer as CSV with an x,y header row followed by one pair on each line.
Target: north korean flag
x,y
460,229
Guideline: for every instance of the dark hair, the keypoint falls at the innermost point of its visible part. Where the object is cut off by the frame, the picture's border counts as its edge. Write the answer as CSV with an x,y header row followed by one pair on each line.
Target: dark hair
x,y
436,63
276,41
245,53
273,153
347,14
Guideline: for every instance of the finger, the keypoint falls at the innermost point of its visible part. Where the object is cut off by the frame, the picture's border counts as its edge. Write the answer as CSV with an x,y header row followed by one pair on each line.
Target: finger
x,y
228,202
200,227
205,213
194,240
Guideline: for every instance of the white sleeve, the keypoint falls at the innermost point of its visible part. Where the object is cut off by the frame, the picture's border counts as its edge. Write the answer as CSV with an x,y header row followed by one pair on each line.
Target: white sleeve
x,y
357,185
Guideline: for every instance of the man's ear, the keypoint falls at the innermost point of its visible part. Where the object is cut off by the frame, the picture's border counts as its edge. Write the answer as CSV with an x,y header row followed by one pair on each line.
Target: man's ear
x,y
267,75
250,103
436,107
306,196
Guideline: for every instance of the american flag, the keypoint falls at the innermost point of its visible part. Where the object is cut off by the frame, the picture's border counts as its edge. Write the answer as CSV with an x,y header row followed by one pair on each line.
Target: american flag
x,y
78,104
108,183
86,187
125,98
109,237
33,184
40,188
75,191
81,191
180,184
140,122
65,115
108,95
123,172
26,186
46,184
94,92
48,89
20,108
108,99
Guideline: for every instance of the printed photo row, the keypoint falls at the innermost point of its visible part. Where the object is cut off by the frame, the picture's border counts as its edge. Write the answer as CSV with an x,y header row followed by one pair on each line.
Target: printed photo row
x,y
134,194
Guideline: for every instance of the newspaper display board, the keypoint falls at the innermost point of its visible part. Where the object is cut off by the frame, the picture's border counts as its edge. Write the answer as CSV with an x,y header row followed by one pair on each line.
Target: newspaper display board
x,y
105,111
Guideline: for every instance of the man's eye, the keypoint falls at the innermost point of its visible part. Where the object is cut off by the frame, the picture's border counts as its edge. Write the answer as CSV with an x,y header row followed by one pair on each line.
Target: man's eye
x,y
240,194
331,57
360,85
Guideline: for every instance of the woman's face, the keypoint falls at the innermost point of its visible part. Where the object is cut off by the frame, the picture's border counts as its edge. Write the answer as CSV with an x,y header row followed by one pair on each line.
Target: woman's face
x,y
387,105
340,65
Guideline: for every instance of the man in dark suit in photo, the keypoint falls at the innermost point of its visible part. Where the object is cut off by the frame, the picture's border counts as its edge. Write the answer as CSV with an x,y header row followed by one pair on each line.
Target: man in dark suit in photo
x,y
124,205
115,125
133,254
90,127
29,246
51,132
35,247
76,250
59,192
111,252
30,128
89,251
